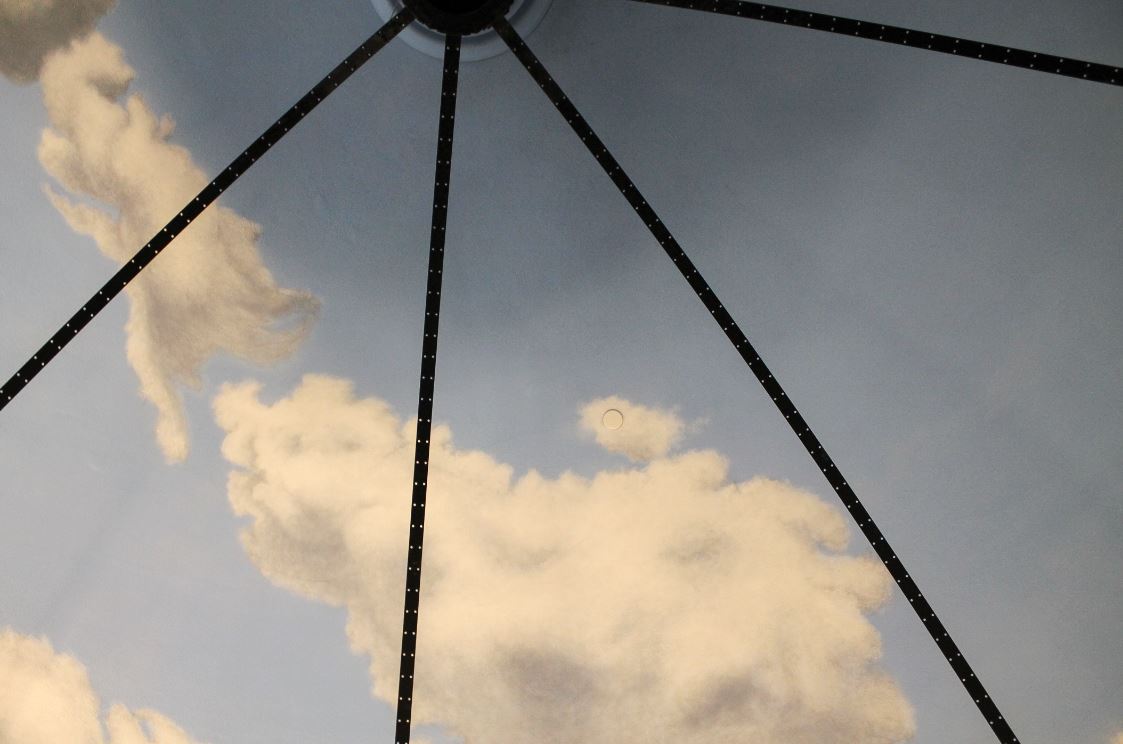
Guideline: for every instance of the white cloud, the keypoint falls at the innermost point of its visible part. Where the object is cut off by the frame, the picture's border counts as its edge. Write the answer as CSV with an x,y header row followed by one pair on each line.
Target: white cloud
x,y
46,698
209,291
639,432
32,29
659,603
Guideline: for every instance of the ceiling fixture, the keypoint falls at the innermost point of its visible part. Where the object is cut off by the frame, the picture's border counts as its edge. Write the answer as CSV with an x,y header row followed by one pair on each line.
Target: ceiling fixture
x,y
482,43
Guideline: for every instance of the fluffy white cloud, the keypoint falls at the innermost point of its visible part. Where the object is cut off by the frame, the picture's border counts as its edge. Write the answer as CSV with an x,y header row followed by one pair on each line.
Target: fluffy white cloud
x,y
659,603
46,698
32,29
209,291
637,431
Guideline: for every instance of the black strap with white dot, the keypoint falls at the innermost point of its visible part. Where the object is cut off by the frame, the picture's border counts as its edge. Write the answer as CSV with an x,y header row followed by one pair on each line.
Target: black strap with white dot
x,y
425,394
888,556
195,207
997,53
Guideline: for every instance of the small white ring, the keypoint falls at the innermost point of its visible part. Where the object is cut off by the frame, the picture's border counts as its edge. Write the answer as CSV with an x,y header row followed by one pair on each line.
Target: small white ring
x,y
613,419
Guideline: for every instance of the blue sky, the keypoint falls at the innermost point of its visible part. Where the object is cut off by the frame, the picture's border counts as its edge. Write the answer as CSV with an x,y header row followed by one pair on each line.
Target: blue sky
x,y
926,251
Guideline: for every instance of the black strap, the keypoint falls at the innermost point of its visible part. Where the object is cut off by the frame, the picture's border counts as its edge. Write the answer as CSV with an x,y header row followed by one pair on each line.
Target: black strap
x,y
195,207
888,556
425,396
997,53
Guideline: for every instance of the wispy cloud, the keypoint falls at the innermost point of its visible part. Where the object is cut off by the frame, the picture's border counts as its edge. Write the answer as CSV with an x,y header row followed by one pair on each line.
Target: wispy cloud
x,y
659,603
32,29
209,292
46,698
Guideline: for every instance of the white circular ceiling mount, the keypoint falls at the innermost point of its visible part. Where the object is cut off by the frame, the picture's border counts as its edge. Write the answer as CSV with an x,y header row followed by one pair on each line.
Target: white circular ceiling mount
x,y
524,15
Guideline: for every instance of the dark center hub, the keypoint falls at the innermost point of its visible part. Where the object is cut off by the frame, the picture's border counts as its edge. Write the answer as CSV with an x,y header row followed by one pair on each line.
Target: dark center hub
x,y
458,16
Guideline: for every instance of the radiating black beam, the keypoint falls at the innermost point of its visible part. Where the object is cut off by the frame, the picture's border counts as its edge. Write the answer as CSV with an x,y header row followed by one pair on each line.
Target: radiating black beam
x,y
425,394
202,200
741,343
997,53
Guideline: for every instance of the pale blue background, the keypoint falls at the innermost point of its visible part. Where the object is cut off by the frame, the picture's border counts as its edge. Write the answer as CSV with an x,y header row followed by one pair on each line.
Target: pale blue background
x,y
927,251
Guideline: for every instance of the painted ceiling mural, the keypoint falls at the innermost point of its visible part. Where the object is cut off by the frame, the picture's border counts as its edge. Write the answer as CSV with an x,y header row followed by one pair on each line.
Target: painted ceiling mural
x,y
205,501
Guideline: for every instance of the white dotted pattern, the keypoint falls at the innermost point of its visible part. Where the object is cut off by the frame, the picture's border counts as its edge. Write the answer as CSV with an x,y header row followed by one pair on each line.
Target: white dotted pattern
x,y
999,54
425,394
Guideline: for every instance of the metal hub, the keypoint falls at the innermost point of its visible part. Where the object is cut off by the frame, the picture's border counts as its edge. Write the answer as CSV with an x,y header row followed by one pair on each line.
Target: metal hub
x,y
469,18
462,17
